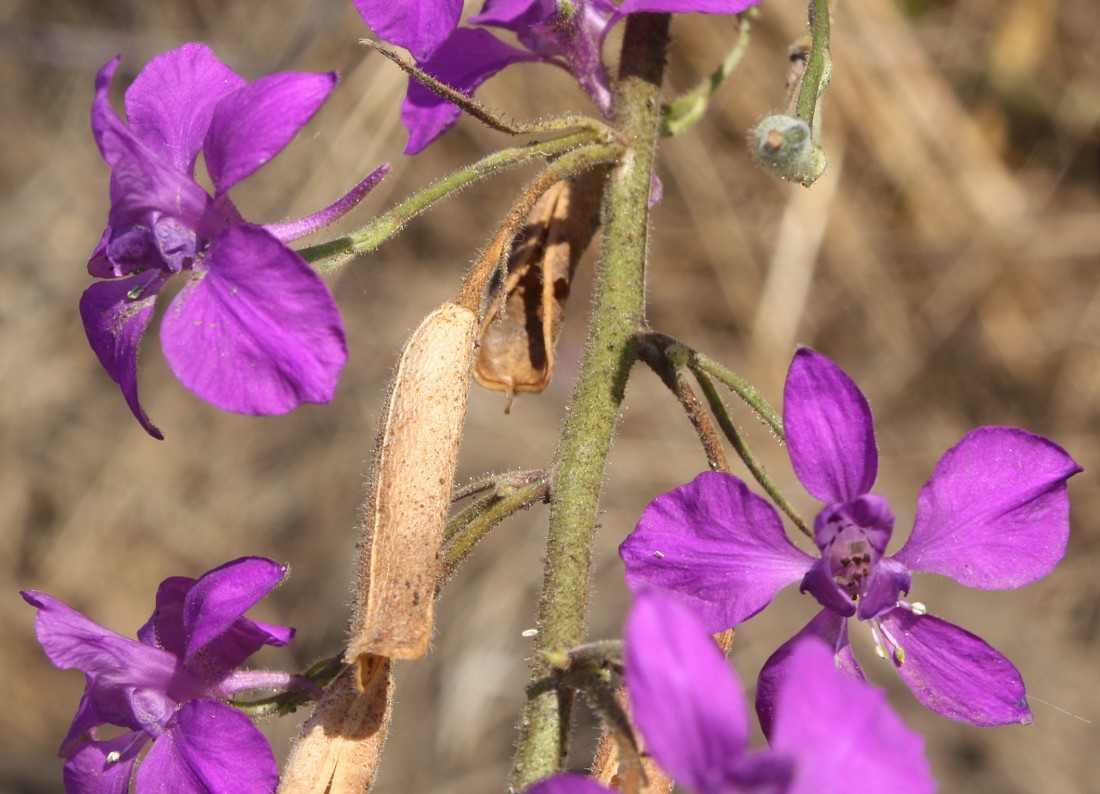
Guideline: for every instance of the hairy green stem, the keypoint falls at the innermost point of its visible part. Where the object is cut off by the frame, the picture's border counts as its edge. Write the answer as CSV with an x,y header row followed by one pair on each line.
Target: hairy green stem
x,y
698,362
819,65
685,111
618,314
465,530
743,452
336,252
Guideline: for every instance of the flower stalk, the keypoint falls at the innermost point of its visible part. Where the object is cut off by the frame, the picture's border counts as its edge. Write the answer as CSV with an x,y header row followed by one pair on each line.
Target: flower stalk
x,y
334,253
618,315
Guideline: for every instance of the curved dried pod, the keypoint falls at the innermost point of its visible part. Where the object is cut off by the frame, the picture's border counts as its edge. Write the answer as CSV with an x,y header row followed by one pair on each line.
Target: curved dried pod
x,y
412,472
409,489
339,747
517,338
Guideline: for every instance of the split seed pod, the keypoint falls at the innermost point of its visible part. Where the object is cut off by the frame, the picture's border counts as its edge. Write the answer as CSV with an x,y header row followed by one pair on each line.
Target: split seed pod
x,y
516,344
339,747
409,491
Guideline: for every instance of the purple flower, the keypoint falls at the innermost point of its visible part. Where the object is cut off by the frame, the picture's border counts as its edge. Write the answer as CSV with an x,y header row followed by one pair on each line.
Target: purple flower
x,y
831,733
568,35
254,329
994,515
165,687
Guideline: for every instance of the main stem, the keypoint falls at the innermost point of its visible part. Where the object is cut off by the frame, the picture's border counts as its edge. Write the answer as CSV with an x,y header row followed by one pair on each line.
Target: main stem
x,y
618,314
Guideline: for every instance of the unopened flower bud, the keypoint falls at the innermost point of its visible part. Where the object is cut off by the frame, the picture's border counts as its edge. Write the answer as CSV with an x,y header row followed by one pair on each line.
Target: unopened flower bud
x,y
785,144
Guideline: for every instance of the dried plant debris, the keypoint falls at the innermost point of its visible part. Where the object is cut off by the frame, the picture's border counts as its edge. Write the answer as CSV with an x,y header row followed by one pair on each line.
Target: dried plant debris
x,y
516,345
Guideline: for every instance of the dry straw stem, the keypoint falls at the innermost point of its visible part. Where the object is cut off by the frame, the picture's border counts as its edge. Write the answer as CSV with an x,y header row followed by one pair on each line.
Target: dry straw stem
x,y
338,749
409,489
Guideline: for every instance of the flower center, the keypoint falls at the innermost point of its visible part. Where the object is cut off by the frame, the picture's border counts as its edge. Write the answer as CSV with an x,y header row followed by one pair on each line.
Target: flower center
x,y
177,244
850,560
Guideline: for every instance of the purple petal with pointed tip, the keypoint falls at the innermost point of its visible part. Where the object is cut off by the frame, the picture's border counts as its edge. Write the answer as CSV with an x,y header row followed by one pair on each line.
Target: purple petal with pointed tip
x,y
515,15
318,220
842,732
114,324
686,700
165,628
258,332
252,125
889,580
830,434
98,263
955,673
570,783
142,181
170,102
820,583
826,626
126,679
715,546
686,6
419,26
221,597
465,61
995,513
211,748
88,771
870,513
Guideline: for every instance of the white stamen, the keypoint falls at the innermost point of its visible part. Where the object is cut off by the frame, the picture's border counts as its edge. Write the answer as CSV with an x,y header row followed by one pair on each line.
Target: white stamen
x,y
113,756
881,651
659,555
529,633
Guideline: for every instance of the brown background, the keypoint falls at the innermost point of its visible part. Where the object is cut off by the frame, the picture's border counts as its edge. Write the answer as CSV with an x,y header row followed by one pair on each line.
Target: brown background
x,y
948,260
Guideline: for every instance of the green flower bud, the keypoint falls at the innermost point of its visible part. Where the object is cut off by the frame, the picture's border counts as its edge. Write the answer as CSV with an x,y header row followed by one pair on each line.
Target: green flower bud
x,y
785,145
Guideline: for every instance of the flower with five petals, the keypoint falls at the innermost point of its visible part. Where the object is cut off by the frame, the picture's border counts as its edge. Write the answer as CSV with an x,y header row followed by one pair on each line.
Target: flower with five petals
x,y
254,329
166,687
994,515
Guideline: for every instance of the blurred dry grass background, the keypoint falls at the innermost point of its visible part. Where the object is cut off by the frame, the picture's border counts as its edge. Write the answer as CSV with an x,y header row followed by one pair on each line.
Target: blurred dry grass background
x,y
949,260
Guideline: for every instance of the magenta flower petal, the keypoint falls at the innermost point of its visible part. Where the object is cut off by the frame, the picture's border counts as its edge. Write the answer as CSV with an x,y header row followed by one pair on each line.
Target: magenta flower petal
x,y
164,691
464,61
570,783
114,323
330,214
164,628
142,182
258,332
715,546
88,770
99,265
211,749
830,435
845,736
686,700
219,599
955,673
819,583
252,125
127,680
161,220
170,102
827,627
419,26
995,513
889,580
515,15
